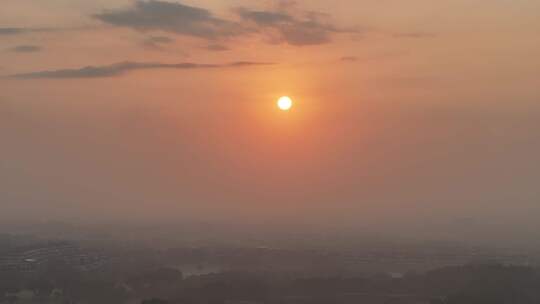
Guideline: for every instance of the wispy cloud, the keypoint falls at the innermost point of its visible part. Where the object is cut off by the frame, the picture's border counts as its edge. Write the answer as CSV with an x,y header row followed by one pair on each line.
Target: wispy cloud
x,y
157,42
26,49
12,30
280,25
5,31
349,58
217,47
121,68
300,29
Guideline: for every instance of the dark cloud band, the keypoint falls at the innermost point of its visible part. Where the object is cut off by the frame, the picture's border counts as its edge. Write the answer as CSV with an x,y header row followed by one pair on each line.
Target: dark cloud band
x,y
26,49
171,17
121,68
282,26
6,31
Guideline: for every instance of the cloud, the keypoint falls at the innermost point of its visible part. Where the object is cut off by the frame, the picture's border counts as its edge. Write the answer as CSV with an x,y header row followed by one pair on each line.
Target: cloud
x,y
26,49
121,68
5,31
264,18
171,17
157,41
280,25
217,47
349,58
12,30
301,29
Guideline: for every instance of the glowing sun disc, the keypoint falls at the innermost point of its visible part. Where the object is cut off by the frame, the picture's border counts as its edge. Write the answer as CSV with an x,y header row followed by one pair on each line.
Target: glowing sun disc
x,y
285,103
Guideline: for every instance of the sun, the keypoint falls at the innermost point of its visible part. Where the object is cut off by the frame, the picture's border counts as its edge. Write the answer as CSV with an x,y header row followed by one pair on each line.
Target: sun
x,y
285,103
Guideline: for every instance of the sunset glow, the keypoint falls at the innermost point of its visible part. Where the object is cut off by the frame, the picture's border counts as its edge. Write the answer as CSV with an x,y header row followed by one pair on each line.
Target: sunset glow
x,y
378,116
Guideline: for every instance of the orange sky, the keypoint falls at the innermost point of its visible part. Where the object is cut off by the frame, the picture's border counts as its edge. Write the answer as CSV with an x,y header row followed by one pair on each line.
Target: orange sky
x,y
404,110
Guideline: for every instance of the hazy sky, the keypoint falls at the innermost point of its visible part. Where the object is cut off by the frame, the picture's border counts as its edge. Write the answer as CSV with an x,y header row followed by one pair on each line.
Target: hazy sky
x,y
407,113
